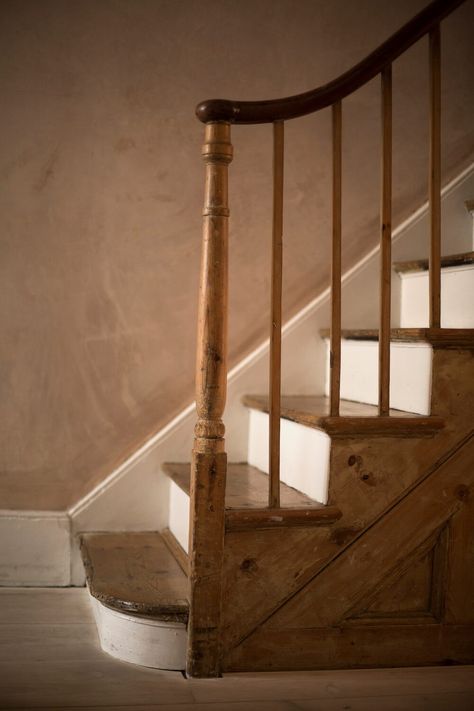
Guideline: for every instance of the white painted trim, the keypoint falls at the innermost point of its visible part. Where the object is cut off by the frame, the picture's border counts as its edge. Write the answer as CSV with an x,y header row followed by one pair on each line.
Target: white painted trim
x,y
35,548
140,640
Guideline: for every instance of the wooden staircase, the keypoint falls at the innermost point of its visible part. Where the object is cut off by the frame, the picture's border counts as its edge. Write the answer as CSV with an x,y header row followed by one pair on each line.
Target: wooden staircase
x,y
348,540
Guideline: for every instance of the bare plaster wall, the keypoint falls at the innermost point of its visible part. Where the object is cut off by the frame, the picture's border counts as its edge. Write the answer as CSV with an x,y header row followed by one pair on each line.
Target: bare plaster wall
x,y
101,190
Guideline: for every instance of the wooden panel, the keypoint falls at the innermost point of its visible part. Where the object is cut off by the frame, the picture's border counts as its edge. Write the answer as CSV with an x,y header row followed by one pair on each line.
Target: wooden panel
x,y
354,647
247,487
366,477
383,550
385,243
257,519
275,319
435,177
135,572
335,355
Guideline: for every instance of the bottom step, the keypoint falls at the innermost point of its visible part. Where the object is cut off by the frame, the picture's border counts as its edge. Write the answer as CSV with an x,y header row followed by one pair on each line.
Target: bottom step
x,y
139,595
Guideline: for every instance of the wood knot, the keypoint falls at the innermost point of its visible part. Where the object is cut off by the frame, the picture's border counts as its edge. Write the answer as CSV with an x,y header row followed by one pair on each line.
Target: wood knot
x,y
340,536
249,565
462,492
355,459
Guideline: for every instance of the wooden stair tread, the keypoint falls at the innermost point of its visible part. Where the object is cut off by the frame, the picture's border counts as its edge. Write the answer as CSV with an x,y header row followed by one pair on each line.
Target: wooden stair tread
x,y
246,487
437,337
135,572
355,417
421,265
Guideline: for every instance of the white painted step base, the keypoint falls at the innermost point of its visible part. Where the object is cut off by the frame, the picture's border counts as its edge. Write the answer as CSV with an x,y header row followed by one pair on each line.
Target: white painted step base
x,y
457,298
140,640
410,374
304,454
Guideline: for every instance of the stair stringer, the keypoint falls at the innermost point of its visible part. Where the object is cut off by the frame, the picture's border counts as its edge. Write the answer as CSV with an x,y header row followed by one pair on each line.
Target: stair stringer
x,y
265,568
323,625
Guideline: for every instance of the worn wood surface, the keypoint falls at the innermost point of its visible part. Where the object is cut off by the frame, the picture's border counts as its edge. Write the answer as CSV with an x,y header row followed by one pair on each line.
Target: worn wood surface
x,y
247,487
275,316
336,286
258,519
135,572
437,337
435,177
367,476
176,550
385,242
355,418
422,265
346,587
209,461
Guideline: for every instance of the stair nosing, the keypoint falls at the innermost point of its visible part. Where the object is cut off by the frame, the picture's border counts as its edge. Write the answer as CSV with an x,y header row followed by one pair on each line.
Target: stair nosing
x,y
422,265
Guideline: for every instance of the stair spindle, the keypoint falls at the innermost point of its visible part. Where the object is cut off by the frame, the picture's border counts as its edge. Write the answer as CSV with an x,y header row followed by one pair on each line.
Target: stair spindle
x,y
275,324
335,347
435,178
385,243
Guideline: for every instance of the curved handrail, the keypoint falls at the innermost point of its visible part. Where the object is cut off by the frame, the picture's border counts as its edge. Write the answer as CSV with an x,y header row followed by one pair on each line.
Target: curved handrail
x,y
252,112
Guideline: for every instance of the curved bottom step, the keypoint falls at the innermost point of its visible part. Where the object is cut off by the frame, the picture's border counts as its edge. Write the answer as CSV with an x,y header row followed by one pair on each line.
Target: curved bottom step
x,y
140,640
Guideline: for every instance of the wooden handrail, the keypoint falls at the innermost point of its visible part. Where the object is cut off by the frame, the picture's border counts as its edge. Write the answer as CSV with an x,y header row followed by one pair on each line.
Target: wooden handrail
x,y
290,107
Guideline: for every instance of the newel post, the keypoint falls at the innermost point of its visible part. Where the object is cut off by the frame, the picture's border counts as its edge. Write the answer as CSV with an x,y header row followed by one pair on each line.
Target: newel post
x,y
209,461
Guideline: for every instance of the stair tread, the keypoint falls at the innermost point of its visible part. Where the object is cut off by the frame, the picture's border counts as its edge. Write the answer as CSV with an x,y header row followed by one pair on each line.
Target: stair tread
x,y
246,487
355,417
421,265
437,337
135,572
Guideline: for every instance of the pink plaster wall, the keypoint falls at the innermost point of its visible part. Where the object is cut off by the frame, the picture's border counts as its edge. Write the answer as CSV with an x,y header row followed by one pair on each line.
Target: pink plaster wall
x,y
101,189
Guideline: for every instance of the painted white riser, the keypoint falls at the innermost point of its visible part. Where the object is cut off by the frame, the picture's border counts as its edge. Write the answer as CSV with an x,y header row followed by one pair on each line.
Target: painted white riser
x,y
178,517
457,298
410,374
140,640
304,454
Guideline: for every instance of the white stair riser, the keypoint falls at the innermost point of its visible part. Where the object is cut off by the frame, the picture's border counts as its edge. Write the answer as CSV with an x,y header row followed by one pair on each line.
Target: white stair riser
x,y
457,298
141,640
178,519
410,374
304,454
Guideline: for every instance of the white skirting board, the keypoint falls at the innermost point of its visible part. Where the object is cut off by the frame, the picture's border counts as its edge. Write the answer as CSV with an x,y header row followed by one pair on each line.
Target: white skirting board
x,y
35,548
140,640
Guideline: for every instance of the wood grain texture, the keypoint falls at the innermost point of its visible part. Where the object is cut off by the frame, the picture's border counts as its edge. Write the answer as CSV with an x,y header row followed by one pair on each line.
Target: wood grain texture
x,y
275,316
258,519
435,177
176,550
336,286
247,487
437,337
209,460
135,572
336,597
422,265
385,242
355,418
367,476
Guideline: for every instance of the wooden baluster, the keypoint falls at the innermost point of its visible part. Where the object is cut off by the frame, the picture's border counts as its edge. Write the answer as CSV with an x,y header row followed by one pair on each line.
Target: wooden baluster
x,y
209,462
275,324
335,349
435,178
385,243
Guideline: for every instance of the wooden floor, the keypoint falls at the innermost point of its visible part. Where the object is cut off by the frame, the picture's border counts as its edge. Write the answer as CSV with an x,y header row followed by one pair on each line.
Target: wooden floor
x,y
50,658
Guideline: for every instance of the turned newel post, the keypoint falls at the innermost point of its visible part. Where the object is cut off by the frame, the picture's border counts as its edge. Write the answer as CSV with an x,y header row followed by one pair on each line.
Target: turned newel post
x,y
209,463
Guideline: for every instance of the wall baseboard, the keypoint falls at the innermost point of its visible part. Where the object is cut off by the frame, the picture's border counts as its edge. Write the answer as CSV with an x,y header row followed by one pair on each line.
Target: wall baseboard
x,y
40,548
35,548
